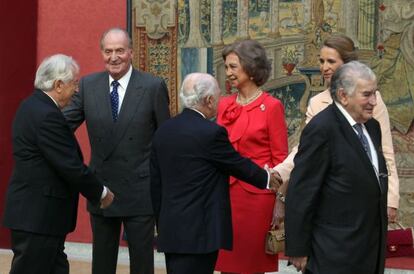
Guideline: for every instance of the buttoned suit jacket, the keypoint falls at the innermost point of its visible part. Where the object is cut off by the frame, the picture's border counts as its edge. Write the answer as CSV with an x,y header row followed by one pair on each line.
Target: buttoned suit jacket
x,y
191,161
120,150
336,204
49,173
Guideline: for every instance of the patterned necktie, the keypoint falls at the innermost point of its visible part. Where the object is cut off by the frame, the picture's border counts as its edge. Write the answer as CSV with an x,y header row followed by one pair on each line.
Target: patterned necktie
x,y
114,100
363,140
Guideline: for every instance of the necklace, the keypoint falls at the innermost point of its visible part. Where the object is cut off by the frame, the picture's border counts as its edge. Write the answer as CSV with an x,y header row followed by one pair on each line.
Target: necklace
x,y
246,101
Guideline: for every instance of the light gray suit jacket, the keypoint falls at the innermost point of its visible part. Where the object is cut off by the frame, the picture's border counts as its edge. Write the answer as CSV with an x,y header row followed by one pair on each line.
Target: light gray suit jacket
x,y
120,150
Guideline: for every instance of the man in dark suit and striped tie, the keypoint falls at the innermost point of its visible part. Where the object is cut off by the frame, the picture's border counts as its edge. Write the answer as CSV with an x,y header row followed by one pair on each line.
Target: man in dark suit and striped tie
x,y
336,203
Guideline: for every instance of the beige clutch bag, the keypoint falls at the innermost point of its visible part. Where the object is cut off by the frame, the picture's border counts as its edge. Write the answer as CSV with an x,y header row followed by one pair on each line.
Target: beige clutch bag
x,y
275,240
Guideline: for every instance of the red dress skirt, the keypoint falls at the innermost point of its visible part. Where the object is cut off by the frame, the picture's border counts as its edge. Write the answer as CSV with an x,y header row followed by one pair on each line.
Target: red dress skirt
x,y
251,217
257,131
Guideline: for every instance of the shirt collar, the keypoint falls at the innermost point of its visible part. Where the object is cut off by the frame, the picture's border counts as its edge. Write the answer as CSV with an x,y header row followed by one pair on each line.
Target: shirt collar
x,y
54,101
348,117
123,82
199,112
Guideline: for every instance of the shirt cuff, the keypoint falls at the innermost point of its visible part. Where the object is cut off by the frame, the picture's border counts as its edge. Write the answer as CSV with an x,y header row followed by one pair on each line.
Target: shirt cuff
x,y
268,179
105,191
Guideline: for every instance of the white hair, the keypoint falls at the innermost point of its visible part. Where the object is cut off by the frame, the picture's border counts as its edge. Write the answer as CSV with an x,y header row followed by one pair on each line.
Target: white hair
x,y
53,68
347,75
196,87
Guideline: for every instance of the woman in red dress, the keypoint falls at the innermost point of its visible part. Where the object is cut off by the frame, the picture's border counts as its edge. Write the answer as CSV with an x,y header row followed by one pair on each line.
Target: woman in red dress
x,y
255,122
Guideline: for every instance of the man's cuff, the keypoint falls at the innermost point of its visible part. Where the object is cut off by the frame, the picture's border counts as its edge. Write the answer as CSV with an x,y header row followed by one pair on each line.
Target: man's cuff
x,y
268,179
105,191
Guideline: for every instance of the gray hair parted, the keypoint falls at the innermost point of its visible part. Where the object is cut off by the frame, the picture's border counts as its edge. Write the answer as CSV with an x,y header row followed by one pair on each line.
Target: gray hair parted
x,y
347,75
53,68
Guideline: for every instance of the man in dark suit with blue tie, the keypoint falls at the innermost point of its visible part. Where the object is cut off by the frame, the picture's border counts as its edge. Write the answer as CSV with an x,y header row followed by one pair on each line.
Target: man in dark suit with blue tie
x,y
122,108
336,203
191,162
49,174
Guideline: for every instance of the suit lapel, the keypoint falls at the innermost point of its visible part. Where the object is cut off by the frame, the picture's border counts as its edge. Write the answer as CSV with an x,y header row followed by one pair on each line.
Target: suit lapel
x,y
376,140
355,144
102,106
133,97
374,135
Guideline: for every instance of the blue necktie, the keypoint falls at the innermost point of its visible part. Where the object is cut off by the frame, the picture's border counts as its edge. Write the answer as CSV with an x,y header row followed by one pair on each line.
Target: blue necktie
x,y
363,139
114,100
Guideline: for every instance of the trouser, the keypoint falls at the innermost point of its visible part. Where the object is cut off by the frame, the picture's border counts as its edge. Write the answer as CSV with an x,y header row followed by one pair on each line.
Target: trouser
x,y
106,235
38,254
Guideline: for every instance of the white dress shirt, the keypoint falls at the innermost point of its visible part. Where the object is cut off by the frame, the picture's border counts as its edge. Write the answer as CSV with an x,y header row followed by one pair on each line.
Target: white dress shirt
x,y
123,84
352,122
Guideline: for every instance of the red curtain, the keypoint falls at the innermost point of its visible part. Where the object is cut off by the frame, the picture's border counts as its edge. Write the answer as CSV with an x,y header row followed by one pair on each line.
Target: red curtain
x,y
18,24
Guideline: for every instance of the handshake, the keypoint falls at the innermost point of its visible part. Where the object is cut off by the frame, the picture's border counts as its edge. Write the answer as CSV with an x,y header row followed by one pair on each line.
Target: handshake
x,y
107,200
275,181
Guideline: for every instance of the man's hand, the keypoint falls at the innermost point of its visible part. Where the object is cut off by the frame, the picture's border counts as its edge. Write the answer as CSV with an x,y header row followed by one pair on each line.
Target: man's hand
x,y
299,263
107,200
275,180
273,183
392,214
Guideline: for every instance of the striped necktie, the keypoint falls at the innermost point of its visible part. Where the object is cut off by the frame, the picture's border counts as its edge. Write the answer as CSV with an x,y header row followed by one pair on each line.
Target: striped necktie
x,y
363,139
114,100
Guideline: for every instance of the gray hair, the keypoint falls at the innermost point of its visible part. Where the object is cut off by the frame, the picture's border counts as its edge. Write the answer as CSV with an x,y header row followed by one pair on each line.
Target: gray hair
x,y
116,29
347,76
196,87
53,68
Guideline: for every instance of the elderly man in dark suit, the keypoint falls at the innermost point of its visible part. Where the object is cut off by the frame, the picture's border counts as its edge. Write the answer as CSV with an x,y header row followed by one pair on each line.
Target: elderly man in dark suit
x,y
122,108
336,204
191,162
42,198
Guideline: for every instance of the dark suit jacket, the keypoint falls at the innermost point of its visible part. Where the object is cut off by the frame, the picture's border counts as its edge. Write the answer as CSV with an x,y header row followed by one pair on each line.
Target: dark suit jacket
x,y
49,172
335,205
120,151
191,161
